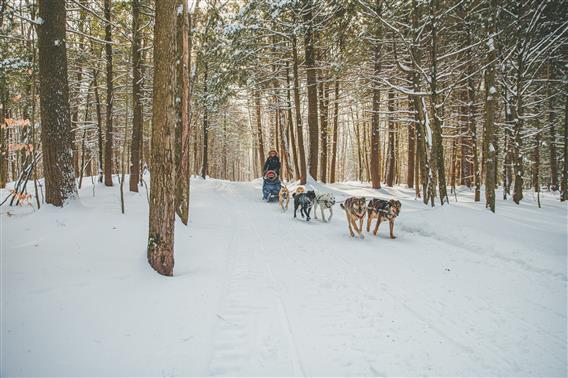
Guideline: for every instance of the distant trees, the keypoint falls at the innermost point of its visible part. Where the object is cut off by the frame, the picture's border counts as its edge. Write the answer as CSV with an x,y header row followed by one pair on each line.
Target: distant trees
x,y
436,94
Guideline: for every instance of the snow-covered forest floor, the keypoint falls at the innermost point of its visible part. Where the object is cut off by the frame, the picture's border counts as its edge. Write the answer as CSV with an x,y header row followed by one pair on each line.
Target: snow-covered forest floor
x,y
460,292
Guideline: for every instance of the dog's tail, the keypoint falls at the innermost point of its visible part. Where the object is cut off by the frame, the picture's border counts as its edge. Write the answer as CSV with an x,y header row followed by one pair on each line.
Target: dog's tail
x,y
343,207
294,195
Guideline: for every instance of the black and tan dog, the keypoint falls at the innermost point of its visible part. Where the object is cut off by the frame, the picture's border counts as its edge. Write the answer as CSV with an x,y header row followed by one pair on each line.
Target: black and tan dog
x,y
284,198
380,209
355,209
305,201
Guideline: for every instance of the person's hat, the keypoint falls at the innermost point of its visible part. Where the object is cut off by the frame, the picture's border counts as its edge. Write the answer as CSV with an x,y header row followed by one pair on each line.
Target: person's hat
x,y
271,151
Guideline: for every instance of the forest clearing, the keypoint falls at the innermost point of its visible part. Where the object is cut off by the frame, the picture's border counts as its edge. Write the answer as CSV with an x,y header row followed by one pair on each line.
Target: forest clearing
x,y
283,187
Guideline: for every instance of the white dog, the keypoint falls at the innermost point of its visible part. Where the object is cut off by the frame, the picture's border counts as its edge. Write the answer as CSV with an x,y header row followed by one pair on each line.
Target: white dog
x,y
324,201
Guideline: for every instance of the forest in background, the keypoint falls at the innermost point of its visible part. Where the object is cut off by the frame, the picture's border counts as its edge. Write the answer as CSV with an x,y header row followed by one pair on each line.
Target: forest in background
x,y
430,94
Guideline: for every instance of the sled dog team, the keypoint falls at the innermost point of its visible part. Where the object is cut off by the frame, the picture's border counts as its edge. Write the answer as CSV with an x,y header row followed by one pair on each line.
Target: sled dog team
x,y
355,209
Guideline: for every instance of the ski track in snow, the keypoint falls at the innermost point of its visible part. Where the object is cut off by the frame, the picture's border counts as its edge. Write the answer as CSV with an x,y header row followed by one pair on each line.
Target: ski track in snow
x,y
258,293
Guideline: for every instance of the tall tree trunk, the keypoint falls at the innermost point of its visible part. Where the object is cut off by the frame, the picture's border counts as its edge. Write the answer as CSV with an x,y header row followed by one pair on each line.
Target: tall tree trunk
x,y
420,112
375,129
311,83
518,108
536,165
260,142
99,125
437,156
137,106
411,148
564,182
490,96
162,193
323,102
332,169
3,133
297,108
291,125
391,150
205,157
109,96
182,129
552,126
54,102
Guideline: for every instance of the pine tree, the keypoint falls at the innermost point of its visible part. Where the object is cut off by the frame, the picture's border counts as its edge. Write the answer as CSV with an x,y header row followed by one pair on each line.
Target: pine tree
x,y
54,101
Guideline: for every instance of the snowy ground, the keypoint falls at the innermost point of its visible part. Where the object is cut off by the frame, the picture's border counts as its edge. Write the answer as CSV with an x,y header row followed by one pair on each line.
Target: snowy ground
x,y
460,292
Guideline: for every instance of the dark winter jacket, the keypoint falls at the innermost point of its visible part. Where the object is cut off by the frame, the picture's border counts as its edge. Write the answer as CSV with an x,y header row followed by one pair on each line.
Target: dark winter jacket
x,y
272,164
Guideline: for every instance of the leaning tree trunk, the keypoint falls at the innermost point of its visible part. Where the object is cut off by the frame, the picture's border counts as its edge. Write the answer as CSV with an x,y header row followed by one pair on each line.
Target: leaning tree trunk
x,y
137,107
182,129
311,83
162,193
54,102
109,98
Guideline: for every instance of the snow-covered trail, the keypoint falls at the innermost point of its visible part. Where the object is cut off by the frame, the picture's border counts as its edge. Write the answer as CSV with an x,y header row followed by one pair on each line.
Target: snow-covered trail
x,y
255,292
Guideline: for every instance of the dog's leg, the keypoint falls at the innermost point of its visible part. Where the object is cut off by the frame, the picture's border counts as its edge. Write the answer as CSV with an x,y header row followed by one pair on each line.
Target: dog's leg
x,y
376,230
322,214
369,221
391,224
316,209
355,226
295,208
361,234
349,223
330,214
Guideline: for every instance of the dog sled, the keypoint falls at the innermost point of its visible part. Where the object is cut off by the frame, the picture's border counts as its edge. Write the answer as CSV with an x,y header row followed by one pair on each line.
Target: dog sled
x,y
271,186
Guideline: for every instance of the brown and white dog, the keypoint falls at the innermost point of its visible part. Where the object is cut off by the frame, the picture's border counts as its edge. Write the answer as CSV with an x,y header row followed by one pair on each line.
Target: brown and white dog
x,y
382,209
355,209
284,198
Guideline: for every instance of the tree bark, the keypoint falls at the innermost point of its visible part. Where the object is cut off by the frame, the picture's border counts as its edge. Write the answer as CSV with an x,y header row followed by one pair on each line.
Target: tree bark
x,y
162,193
182,129
297,108
490,96
54,103
323,102
552,126
261,154
137,106
437,156
109,97
564,182
411,152
375,130
311,83
205,157
392,155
